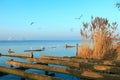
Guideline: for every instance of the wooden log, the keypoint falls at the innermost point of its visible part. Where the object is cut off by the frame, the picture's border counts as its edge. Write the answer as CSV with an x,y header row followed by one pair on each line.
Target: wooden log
x,y
55,58
19,55
79,60
74,72
25,74
56,62
89,66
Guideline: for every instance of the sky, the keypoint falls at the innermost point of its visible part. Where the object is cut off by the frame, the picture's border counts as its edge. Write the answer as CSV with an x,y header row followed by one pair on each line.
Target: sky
x,y
51,19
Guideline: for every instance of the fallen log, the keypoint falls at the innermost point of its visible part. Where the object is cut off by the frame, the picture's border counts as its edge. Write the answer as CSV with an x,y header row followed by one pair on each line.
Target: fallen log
x,y
73,72
26,74
79,60
18,55
88,66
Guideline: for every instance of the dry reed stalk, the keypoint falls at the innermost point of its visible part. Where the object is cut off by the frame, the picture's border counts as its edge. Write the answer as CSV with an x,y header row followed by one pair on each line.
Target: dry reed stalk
x,y
102,45
118,52
85,51
102,35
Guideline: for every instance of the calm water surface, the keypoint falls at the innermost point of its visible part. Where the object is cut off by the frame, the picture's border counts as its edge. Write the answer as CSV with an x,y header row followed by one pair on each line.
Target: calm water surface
x,y
20,46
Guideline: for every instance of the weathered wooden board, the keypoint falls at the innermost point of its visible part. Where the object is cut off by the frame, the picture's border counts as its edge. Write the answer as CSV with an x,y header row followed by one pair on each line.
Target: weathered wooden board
x,y
88,66
18,55
26,74
74,72
79,60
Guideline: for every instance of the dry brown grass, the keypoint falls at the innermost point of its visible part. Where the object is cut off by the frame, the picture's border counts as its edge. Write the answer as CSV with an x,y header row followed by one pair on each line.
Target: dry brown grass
x,y
118,51
102,35
85,51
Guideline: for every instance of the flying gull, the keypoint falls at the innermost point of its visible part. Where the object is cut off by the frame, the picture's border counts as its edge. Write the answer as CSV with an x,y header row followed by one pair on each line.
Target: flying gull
x,y
79,17
31,23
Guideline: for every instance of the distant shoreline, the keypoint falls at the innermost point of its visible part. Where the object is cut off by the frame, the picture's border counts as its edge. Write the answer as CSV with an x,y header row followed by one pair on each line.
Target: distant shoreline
x,y
37,40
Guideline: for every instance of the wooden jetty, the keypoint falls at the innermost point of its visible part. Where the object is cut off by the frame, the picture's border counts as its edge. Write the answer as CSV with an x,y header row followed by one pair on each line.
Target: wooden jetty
x,y
26,74
79,60
93,67
18,55
78,67
70,71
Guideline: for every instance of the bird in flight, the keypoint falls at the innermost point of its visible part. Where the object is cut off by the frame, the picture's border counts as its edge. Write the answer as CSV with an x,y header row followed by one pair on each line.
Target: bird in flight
x,y
31,23
79,17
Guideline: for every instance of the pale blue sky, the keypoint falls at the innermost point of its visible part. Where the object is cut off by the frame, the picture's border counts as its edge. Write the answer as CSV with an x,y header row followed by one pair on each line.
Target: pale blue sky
x,y
53,19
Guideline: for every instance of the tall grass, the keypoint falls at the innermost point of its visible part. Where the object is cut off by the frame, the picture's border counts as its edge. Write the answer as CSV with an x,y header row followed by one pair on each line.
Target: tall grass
x,y
118,51
102,35
85,50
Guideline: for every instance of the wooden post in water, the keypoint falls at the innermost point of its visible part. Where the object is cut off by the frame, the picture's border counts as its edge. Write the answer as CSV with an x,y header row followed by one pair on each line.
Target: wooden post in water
x,y
31,54
77,49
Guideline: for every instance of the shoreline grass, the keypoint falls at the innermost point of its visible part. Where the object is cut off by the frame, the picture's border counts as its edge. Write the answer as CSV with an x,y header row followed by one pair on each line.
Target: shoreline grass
x,y
103,35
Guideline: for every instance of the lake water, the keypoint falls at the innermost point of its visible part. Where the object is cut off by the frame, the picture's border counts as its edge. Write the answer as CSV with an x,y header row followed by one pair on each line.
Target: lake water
x,y
20,46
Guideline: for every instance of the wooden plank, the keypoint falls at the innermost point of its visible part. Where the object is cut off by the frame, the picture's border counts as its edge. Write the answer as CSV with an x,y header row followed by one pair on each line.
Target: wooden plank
x,y
79,60
55,58
19,55
57,62
88,66
26,74
74,72
18,68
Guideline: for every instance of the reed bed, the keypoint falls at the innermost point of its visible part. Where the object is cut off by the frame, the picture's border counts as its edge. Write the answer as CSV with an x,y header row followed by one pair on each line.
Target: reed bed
x,y
103,35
